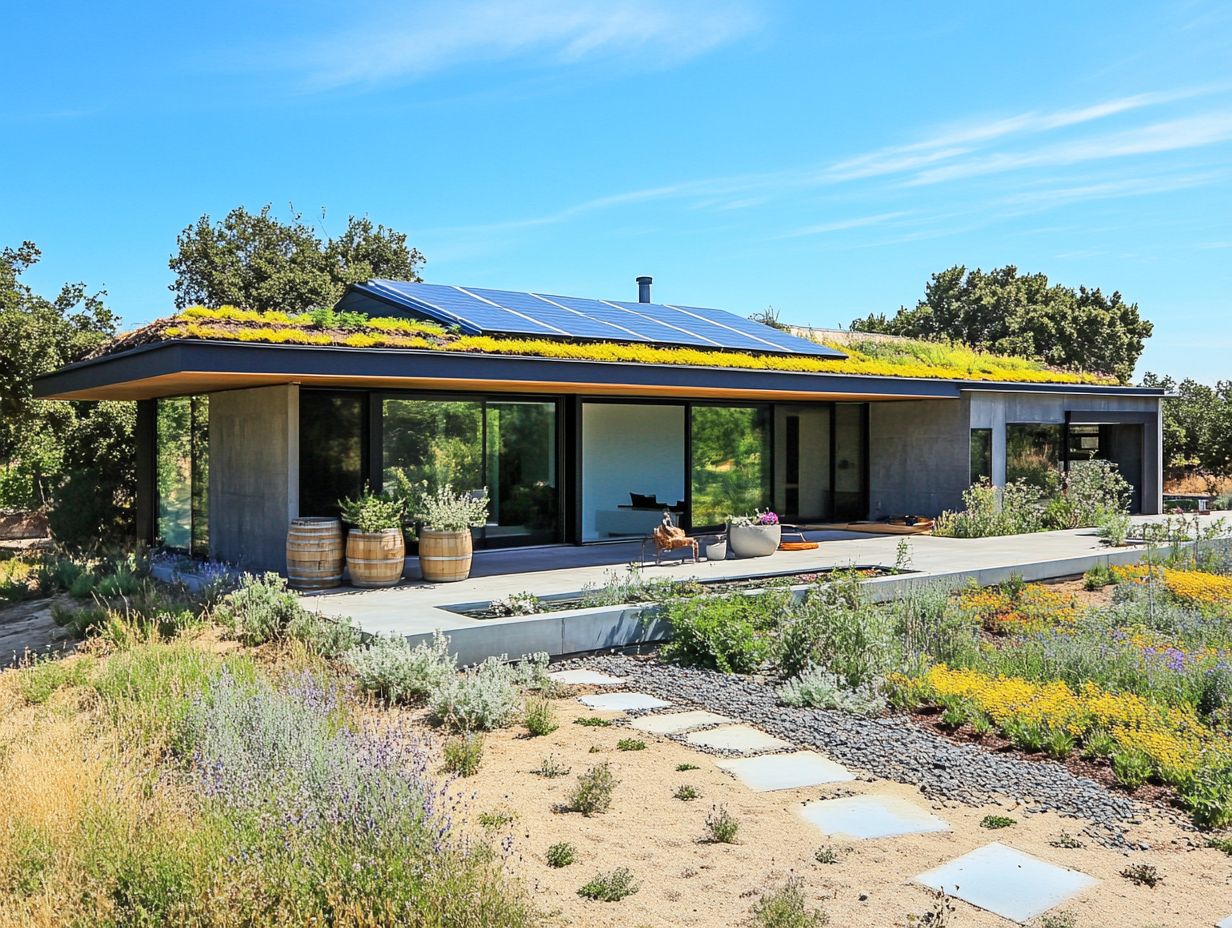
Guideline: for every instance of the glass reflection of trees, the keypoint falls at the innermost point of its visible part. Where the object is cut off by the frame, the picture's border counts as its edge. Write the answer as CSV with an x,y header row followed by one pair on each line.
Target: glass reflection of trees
x,y
1033,453
730,462
181,472
443,442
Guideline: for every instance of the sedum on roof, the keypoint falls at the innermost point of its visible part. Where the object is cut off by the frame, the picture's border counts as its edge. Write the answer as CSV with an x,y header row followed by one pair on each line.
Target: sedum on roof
x,y
357,330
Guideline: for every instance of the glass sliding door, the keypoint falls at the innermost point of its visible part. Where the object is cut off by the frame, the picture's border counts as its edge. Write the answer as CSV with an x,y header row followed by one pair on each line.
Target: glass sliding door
x,y
520,465
729,465
633,468
850,460
182,473
802,470
509,446
332,430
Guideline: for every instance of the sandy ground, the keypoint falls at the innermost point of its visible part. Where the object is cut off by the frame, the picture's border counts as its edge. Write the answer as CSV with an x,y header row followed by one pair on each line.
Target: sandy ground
x,y
684,882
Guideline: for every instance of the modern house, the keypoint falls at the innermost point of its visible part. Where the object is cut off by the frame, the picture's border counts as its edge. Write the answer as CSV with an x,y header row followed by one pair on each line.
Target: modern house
x,y
585,418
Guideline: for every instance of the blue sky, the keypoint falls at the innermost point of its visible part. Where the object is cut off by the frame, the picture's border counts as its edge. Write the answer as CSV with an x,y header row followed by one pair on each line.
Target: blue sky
x,y
822,158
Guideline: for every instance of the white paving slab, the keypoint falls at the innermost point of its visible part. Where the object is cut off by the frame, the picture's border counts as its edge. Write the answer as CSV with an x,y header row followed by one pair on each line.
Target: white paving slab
x,y
786,771
671,723
584,678
1007,882
742,738
871,817
622,702
1226,923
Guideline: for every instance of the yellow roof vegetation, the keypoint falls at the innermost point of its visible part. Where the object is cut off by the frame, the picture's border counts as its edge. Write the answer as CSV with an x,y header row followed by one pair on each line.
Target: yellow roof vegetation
x,y
355,330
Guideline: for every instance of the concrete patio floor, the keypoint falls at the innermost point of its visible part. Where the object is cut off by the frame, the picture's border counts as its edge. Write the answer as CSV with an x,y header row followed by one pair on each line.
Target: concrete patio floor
x,y
416,608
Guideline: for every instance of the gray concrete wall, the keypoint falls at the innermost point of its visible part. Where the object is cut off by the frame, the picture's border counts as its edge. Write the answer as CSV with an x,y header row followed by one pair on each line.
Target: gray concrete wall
x,y
254,475
919,456
992,410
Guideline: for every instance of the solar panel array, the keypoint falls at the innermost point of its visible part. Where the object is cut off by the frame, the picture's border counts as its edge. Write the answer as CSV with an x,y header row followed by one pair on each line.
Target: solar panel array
x,y
480,311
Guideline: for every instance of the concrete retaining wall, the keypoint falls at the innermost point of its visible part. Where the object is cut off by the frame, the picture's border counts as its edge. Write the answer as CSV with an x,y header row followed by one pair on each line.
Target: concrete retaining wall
x,y
605,628
254,475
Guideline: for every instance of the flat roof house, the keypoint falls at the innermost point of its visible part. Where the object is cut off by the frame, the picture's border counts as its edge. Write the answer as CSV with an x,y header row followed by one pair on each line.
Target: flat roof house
x,y
583,417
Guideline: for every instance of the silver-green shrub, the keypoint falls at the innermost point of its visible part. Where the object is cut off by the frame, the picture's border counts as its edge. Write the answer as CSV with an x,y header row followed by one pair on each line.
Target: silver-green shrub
x,y
818,688
480,699
396,672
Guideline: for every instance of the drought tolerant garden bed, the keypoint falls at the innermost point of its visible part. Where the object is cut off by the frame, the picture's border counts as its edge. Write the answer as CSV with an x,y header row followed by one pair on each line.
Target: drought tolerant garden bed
x,y
632,587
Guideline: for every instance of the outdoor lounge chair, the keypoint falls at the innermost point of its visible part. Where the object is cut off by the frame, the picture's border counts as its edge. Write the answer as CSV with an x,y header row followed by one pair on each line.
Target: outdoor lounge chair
x,y
670,537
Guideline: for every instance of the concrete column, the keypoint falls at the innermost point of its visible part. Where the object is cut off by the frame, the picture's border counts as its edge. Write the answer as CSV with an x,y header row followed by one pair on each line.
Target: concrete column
x,y
254,475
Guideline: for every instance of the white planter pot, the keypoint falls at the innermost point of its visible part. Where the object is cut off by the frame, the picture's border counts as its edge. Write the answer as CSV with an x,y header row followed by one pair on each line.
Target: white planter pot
x,y
716,551
754,540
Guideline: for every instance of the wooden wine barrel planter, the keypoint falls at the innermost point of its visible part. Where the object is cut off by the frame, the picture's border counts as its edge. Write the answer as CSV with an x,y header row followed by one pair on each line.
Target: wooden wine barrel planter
x,y
445,557
314,553
375,558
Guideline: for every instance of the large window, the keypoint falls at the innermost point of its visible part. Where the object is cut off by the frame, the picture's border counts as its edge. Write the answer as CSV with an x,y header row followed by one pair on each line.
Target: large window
x,y
730,462
981,455
182,473
508,446
1033,453
850,461
802,471
331,450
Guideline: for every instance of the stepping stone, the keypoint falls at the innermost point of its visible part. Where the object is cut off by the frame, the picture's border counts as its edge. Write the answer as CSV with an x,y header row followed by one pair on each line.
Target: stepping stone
x,y
1226,923
786,771
584,678
1006,882
743,739
671,723
871,817
622,702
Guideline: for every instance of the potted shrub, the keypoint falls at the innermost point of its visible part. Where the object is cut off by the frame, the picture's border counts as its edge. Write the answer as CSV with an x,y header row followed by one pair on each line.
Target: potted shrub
x,y
375,550
446,520
757,535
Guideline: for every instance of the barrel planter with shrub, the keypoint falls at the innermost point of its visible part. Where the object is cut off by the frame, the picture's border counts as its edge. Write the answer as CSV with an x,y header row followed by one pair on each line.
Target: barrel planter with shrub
x,y
445,538
375,559
375,549
315,553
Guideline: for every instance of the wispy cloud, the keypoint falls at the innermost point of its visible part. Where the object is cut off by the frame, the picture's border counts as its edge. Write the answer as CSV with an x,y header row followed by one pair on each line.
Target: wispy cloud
x,y
1171,135
1052,140
841,225
409,41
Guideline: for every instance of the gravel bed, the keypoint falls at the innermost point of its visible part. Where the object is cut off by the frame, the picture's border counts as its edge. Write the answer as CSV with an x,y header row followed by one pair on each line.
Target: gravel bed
x,y
887,747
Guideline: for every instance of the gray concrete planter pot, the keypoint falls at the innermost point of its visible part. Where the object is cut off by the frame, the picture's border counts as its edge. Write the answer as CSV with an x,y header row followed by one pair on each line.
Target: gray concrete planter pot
x,y
754,540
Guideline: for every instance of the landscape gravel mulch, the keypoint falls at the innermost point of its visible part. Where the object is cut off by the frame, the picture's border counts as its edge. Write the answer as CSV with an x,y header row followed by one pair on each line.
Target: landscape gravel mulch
x,y
891,748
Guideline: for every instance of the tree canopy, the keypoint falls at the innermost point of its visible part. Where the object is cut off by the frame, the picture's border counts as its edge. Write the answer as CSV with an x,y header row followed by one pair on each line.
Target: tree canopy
x,y
256,261
1197,426
1004,312
44,444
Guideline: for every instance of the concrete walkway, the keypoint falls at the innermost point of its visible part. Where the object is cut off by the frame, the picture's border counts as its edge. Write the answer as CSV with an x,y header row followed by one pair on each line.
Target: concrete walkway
x,y
417,608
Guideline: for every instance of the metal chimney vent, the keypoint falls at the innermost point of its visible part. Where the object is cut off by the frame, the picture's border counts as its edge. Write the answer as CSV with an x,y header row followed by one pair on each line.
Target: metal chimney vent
x,y
643,289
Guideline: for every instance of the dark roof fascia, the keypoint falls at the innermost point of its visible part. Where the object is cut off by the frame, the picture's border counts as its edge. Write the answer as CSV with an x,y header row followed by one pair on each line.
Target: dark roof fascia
x,y
176,355
1093,389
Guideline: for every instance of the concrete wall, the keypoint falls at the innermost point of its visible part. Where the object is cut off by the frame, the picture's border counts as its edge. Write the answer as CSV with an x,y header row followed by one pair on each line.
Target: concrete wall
x,y
992,410
254,475
919,456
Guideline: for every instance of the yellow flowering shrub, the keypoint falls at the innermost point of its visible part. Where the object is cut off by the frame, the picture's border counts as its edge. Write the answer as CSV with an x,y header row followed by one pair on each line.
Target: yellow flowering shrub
x,y
1193,586
1034,608
1172,738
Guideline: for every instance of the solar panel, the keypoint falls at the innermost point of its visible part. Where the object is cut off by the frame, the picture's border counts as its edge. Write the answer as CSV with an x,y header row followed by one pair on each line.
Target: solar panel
x,y
481,311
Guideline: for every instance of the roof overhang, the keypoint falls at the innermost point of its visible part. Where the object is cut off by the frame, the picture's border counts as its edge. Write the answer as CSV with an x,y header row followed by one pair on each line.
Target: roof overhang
x,y
181,367
186,366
